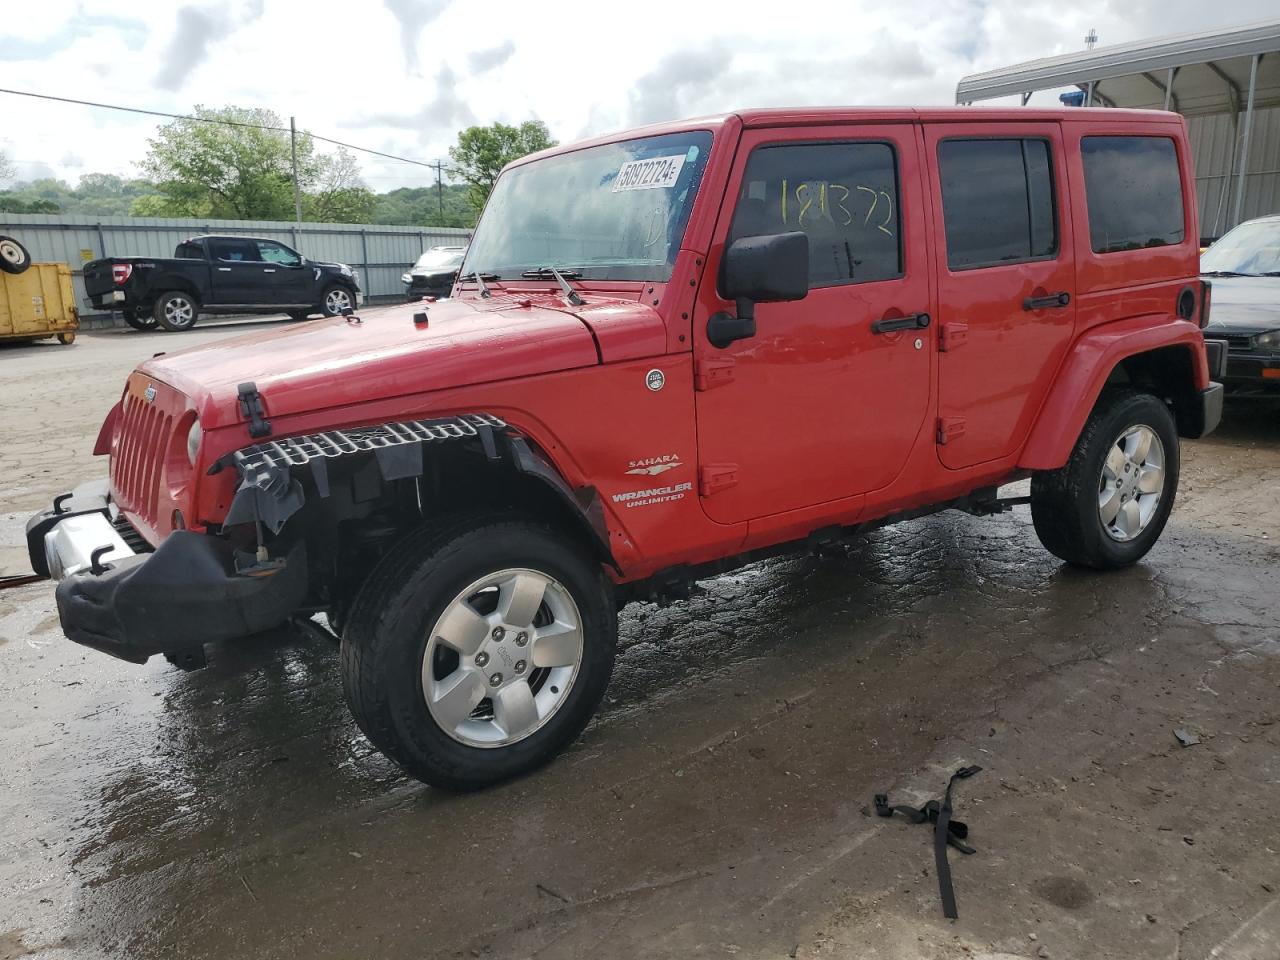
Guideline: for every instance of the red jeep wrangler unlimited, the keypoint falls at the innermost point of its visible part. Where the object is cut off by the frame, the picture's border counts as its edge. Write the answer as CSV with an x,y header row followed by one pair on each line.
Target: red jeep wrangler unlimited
x,y
670,352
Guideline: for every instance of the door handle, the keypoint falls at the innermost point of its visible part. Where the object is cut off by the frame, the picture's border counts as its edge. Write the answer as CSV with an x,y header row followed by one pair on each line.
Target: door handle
x,y
1052,301
224,269
915,321
268,270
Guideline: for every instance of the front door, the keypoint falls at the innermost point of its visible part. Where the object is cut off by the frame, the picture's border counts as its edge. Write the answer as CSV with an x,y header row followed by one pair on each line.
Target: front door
x,y
1006,283
285,280
828,398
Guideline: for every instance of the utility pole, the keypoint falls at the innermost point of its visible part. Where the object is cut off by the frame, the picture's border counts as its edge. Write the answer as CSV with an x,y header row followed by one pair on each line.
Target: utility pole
x,y
293,149
439,165
1091,39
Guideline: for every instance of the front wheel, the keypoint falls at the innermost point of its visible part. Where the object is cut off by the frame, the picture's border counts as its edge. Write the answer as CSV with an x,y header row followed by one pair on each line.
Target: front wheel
x,y
474,654
176,311
1108,505
336,300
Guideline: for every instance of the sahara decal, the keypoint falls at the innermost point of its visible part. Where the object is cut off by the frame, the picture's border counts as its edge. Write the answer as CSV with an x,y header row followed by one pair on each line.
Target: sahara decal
x,y
652,466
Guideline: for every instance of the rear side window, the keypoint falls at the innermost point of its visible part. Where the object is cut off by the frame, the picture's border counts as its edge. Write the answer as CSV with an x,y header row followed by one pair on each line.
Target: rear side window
x,y
1134,192
189,251
234,251
997,202
843,196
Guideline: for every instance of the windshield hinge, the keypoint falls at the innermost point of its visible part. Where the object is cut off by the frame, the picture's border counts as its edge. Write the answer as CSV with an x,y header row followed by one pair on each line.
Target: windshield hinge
x,y
251,409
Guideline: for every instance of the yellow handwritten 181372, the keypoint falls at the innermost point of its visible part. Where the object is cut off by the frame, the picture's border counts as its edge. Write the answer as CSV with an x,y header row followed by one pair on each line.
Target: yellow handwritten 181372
x,y
832,200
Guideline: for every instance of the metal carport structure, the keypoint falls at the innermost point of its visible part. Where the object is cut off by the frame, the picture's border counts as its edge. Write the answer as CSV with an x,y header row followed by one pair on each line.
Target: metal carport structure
x,y
1226,82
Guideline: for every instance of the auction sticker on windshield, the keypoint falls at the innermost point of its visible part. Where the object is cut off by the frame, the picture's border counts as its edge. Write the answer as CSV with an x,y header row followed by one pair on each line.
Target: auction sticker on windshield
x,y
650,173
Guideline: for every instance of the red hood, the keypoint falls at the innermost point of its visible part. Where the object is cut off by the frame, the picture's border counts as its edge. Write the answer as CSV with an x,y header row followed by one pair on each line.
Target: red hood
x,y
323,363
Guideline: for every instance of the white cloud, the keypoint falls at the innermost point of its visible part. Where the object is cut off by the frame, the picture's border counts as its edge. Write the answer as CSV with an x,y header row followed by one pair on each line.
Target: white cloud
x,y
403,76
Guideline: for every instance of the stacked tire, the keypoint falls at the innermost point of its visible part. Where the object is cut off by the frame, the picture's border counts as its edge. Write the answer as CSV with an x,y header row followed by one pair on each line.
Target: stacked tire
x,y
14,257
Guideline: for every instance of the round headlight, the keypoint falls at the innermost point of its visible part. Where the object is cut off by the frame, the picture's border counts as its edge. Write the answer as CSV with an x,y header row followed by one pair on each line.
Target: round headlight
x,y
193,442
1267,341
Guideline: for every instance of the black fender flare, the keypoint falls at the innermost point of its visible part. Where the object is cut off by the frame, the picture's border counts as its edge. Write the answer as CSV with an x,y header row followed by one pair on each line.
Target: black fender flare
x,y
269,493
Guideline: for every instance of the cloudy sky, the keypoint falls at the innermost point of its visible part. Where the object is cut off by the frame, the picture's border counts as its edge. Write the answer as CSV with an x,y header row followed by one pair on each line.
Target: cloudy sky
x,y
403,76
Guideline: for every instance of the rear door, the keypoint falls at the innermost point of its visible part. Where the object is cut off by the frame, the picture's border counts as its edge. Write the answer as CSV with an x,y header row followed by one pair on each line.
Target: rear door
x,y
236,267
1006,281
822,403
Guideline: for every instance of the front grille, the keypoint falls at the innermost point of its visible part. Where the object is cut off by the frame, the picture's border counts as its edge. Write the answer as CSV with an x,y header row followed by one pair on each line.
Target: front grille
x,y
1237,343
130,535
141,438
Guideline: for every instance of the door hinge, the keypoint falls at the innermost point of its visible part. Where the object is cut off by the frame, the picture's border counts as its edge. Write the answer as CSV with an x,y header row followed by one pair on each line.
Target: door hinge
x,y
949,428
709,374
952,335
716,477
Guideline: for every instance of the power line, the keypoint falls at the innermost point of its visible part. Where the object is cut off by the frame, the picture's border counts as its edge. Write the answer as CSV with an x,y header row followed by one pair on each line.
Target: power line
x,y
230,123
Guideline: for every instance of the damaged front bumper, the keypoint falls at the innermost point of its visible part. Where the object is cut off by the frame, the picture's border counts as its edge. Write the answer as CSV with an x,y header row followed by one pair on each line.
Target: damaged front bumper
x,y
133,605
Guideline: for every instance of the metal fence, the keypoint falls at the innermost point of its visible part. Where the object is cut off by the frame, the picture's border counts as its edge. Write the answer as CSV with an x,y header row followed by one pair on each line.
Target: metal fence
x,y
380,253
1216,144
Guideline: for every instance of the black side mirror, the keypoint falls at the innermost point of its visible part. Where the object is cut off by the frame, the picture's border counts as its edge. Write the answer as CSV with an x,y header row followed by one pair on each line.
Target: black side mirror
x,y
768,269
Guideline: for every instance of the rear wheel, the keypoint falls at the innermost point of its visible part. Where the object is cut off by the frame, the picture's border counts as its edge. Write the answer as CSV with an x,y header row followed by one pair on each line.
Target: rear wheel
x,y
176,311
1108,505
139,320
68,338
476,653
14,257
336,301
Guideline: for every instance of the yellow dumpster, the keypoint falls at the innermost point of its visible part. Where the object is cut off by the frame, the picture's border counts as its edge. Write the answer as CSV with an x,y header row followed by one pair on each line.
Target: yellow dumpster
x,y
38,303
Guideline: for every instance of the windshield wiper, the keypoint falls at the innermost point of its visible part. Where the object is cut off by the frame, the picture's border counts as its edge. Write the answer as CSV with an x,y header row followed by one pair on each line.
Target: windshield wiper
x,y
480,278
546,273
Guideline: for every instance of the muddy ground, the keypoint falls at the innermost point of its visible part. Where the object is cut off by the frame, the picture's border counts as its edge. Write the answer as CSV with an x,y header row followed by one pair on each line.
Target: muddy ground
x,y
719,805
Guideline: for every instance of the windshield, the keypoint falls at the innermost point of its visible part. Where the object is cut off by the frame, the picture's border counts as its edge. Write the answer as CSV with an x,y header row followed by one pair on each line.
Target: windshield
x,y
1251,248
439,259
614,212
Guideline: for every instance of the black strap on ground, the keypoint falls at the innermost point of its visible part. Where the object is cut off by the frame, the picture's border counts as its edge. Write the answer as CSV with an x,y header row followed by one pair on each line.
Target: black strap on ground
x,y
18,579
946,832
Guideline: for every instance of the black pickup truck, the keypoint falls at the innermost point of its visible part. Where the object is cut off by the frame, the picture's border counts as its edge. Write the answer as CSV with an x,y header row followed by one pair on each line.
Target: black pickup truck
x,y
219,275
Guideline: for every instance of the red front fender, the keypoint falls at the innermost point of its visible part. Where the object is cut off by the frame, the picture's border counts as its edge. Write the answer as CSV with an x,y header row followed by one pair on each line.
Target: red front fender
x,y
1084,372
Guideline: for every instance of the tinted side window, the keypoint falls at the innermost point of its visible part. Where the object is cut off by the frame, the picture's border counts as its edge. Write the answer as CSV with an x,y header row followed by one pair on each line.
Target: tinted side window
x,y
273,252
997,201
1134,192
234,250
844,196
189,251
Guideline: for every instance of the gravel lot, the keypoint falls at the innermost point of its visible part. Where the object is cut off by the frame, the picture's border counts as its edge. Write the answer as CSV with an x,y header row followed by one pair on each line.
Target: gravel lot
x,y
719,805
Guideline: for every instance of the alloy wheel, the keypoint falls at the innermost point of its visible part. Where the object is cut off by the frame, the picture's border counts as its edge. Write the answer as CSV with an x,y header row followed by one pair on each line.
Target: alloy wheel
x,y
502,658
1132,483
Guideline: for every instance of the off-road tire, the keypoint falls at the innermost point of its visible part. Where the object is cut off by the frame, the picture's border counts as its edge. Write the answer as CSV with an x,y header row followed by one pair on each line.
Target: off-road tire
x,y
14,257
167,318
333,288
384,641
1064,502
140,321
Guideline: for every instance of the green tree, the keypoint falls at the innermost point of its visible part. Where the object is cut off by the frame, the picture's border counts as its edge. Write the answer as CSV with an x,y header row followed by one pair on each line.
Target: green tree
x,y
482,152
6,168
233,167
336,194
